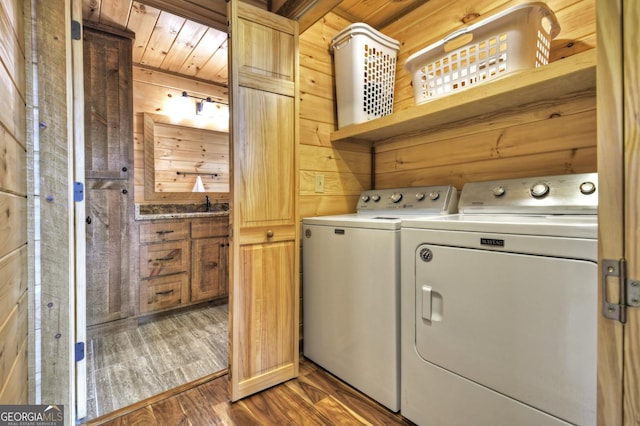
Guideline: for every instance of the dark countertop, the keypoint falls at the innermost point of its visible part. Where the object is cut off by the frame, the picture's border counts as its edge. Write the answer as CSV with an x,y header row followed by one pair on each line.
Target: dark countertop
x,y
179,211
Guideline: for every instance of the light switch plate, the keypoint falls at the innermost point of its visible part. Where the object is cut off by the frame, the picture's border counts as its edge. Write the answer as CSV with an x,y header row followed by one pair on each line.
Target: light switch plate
x,y
319,188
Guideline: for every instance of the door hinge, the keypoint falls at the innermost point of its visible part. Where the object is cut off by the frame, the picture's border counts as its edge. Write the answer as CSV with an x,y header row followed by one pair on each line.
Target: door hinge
x,y
629,290
79,351
76,30
78,192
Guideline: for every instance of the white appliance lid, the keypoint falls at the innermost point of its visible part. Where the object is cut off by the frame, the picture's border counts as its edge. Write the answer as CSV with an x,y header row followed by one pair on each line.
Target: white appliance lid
x,y
356,221
575,226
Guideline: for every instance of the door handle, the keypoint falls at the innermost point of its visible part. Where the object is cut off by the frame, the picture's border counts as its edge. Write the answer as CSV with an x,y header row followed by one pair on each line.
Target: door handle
x,y
432,304
426,302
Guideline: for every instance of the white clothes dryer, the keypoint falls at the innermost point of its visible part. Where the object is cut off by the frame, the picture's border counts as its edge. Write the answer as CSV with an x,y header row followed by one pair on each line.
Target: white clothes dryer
x,y
499,306
351,287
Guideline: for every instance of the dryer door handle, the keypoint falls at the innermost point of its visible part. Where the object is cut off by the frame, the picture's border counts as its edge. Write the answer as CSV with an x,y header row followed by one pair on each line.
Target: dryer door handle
x,y
426,302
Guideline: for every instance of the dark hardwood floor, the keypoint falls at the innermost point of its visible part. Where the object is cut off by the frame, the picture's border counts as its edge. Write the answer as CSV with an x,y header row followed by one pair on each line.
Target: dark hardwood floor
x,y
314,398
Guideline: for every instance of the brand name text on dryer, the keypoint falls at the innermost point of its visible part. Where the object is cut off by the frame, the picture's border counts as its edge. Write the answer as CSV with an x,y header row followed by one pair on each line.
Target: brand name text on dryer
x,y
491,242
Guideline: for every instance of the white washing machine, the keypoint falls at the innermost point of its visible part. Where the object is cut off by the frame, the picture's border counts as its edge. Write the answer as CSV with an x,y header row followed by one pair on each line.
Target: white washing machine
x,y
351,287
499,306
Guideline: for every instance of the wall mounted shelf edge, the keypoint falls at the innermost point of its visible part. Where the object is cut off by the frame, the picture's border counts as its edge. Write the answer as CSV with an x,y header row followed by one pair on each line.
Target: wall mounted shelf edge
x,y
576,73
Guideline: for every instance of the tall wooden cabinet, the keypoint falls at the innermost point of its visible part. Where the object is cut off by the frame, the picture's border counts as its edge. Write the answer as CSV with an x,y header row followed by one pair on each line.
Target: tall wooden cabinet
x,y
264,242
108,173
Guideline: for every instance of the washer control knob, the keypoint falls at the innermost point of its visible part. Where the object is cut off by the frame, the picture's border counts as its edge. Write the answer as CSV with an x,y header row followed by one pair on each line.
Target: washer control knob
x,y
434,195
375,198
396,197
539,190
364,198
587,188
420,196
499,191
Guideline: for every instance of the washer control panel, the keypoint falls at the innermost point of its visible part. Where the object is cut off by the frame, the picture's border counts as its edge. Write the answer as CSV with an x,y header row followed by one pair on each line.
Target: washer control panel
x,y
418,200
564,194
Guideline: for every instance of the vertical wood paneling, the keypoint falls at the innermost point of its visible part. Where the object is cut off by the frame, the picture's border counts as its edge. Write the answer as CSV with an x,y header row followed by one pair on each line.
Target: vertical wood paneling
x,y
13,205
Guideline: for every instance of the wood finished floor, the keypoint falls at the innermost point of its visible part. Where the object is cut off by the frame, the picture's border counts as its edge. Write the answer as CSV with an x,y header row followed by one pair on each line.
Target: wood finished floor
x,y
314,398
131,365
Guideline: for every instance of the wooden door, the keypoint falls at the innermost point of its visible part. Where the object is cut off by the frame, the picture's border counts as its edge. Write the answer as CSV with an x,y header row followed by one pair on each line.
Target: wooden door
x,y
264,255
618,160
107,238
108,149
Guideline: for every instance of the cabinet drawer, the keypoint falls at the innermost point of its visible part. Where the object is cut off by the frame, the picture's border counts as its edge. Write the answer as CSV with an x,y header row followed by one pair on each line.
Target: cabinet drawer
x,y
164,258
157,232
206,228
163,293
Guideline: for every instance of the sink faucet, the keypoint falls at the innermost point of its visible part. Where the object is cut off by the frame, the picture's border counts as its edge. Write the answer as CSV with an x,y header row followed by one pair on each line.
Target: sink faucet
x,y
208,203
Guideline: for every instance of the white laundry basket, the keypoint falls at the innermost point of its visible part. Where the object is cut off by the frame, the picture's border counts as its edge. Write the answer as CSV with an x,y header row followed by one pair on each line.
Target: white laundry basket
x,y
514,39
365,69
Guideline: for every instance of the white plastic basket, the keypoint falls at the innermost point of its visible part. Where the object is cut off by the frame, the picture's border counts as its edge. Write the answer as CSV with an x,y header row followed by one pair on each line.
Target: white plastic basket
x,y
516,38
365,69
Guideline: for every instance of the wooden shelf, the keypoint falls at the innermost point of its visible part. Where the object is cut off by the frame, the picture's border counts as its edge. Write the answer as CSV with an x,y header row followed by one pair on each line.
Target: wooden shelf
x,y
573,74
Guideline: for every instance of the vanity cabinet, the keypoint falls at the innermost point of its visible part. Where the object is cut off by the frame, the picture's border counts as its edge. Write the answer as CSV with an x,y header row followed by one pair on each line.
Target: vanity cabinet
x,y
182,261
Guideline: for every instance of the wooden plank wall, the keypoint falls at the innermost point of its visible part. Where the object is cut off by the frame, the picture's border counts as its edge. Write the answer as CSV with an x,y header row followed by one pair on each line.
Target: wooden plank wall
x,y
179,149
153,92
553,136
346,166
13,205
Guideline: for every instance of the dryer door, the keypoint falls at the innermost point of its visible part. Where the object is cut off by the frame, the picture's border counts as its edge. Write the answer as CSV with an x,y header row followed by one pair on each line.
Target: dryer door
x,y
520,325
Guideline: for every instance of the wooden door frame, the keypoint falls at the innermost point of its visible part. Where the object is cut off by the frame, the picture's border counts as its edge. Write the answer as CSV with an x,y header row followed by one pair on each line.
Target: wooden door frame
x,y
631,91
618,159
51,269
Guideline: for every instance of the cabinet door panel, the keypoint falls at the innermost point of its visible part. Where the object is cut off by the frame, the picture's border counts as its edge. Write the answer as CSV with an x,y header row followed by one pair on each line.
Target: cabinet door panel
x,y
269,311
207,268
108,105
267,185
107,239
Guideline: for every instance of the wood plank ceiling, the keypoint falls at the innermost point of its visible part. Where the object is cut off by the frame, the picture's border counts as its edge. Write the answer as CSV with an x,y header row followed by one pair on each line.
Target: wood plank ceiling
x,y
188,37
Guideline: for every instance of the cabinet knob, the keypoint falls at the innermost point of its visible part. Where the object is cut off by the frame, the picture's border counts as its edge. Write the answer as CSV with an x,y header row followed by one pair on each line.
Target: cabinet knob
x,y
269,233
124,191
124,169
